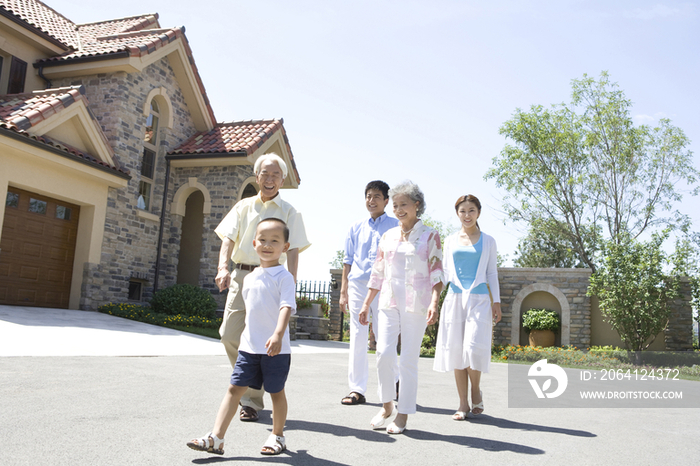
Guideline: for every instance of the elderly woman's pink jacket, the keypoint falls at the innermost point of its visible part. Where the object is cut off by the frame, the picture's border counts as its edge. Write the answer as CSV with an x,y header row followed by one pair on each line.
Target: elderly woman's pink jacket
x,y
423,268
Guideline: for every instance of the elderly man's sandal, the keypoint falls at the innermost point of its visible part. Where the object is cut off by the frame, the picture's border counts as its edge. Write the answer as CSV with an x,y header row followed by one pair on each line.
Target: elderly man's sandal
x,y
209,443
354,398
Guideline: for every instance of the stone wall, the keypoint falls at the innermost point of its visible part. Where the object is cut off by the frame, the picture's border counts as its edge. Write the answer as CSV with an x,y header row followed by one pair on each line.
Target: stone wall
x,y
567,286
678,335
129,247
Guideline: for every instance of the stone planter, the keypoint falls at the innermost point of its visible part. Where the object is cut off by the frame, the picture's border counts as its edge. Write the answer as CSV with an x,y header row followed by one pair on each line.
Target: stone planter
x,y
314,311
543,338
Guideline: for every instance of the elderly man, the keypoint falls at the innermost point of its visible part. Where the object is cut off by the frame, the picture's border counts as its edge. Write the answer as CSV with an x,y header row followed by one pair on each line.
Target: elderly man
x,y
237,231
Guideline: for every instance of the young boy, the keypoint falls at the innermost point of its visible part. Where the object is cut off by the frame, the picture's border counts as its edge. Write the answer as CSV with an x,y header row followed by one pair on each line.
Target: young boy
x,y
264,355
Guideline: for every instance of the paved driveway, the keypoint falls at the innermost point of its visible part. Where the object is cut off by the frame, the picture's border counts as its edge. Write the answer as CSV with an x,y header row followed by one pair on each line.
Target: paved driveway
x,y
80,388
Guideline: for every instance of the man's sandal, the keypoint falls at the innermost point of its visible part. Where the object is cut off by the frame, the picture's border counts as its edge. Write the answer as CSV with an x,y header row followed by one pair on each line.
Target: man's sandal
x,y
274,445
354,398
209,443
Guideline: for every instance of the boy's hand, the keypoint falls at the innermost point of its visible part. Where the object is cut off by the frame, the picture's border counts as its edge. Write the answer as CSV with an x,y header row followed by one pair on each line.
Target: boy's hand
x,y
274,345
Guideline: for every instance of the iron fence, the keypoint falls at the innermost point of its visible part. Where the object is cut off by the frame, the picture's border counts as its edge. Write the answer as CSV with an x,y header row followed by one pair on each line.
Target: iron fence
x,y
313,290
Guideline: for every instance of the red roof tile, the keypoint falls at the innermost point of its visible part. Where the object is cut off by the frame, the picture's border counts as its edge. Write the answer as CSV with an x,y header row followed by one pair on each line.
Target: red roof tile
x,y
238,137
45,19
19,112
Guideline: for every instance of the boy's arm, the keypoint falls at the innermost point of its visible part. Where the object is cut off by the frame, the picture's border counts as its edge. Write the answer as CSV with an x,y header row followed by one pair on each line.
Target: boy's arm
x,y
274,343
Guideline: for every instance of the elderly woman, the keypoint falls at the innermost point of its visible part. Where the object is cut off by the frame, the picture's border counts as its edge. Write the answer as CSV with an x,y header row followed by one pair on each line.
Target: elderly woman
x,y
467,318
408,272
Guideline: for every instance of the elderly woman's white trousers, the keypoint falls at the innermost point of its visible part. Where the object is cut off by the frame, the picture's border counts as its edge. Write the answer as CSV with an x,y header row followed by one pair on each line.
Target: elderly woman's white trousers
x,y
411,326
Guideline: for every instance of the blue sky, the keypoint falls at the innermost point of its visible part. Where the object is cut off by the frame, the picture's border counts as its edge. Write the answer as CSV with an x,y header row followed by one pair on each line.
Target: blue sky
x,y
417,90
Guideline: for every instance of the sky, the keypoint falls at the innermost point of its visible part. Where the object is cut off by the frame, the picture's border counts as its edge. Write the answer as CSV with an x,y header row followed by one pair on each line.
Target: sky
x,y
397,90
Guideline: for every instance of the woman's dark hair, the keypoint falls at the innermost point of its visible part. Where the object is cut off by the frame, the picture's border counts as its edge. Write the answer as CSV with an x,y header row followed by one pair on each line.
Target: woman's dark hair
x,y
469,198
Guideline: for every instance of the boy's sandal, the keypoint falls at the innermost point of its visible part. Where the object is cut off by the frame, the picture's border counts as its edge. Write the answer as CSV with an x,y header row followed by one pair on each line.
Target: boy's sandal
x,y
274,445
209,443
354,398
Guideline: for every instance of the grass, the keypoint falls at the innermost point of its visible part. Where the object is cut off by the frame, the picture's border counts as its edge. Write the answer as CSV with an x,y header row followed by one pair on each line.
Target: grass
x,y
599,358
192,324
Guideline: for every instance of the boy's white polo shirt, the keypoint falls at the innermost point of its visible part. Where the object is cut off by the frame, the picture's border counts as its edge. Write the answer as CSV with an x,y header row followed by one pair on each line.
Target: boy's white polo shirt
x,y
265,291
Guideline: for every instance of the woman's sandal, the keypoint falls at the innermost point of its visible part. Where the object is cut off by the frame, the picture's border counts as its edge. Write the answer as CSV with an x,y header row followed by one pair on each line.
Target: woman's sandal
x,y
274,445
394,429
460,415
479,405
354,398
379,420
209,443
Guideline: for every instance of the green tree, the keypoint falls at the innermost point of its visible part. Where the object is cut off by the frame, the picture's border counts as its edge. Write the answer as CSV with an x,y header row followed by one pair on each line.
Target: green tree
x,y
588,168
337,262
547,245
633,289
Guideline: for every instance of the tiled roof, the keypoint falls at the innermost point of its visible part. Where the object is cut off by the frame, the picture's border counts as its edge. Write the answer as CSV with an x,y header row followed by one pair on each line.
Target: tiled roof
x,y
235,138
134,36
26,110
19,112
45,19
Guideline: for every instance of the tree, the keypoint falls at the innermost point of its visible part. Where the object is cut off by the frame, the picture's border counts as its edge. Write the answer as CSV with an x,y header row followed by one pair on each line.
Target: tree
x,y
633,290
589,169
547,246
337,262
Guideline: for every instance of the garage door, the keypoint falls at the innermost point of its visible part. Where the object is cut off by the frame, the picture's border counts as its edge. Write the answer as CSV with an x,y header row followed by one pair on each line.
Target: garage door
x,y
37,250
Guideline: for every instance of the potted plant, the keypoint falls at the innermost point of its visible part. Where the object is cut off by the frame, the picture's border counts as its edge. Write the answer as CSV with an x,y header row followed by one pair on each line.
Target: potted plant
x,y
541,325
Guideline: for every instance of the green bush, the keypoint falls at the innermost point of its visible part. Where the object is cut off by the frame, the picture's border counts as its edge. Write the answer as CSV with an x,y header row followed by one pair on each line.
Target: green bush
x,y
541,319
184,299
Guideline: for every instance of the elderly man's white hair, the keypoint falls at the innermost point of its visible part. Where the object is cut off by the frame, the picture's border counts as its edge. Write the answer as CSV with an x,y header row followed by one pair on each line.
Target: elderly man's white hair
x,y
271,157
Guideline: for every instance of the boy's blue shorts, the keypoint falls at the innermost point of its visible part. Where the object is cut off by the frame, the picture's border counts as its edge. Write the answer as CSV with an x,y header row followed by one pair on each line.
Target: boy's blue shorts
x,y
256,370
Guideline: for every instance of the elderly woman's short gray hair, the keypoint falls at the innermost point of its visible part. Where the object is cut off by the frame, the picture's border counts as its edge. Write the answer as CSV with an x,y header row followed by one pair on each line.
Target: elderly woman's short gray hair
x,y
272,157
410,189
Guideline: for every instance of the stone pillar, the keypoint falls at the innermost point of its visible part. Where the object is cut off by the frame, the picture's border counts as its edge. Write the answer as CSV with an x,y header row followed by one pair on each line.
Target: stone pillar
x,y
335,328
678,334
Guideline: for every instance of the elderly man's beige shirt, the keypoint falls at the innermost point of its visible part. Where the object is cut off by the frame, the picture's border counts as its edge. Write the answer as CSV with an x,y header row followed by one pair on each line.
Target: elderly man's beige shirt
x,y
240,223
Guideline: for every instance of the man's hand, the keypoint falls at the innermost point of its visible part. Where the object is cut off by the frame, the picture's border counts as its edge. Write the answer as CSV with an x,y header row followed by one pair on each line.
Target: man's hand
x,y
344,302
223,279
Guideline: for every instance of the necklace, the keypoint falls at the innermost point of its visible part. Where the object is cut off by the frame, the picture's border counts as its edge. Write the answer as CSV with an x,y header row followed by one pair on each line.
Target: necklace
x,y
405,234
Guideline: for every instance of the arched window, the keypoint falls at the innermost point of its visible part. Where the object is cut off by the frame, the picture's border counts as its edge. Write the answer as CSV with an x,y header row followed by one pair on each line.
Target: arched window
x,y
148,161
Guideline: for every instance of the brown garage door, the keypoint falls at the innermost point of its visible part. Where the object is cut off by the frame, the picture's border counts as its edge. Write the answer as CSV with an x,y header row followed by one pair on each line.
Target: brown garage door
x,y
37,250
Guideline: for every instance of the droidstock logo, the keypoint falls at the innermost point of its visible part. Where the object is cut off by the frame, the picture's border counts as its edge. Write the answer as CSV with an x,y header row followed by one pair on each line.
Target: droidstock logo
x,y
547,372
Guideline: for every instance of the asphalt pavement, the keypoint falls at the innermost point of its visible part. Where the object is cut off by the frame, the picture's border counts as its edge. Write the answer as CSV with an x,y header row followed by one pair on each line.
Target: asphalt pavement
x,y
83,388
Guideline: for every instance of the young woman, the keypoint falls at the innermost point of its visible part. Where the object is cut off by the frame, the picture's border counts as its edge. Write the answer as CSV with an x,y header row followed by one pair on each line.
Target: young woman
x,y
467,317
408,271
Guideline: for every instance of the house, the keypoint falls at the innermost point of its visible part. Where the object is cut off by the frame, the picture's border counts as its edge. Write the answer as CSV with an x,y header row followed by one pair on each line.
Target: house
x,y
110,158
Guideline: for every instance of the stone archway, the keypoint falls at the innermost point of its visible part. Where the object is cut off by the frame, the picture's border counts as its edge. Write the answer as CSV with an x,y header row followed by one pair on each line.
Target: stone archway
x,y
558,295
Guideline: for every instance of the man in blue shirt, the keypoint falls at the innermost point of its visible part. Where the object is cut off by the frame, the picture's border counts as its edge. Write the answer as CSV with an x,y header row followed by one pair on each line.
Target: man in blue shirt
x,y
361,248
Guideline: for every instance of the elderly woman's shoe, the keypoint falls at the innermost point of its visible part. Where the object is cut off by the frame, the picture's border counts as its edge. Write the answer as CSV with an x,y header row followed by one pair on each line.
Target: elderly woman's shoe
x,y
380,420
394,429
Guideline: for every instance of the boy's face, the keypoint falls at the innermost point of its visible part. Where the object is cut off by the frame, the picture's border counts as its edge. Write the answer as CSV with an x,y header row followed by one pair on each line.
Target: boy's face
x,y
269,243
375,202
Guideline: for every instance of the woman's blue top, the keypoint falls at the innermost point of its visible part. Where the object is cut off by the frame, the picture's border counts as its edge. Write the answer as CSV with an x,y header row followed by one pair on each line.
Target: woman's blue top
x,y
466,260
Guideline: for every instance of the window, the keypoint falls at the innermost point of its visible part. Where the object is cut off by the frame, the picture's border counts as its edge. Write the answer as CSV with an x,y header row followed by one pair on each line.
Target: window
x,y
36,206
135,290
18,73
63,212
12,200
148,162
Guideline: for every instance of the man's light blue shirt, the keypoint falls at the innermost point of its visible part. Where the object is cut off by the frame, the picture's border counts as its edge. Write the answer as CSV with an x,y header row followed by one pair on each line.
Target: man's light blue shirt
x,y
362,244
